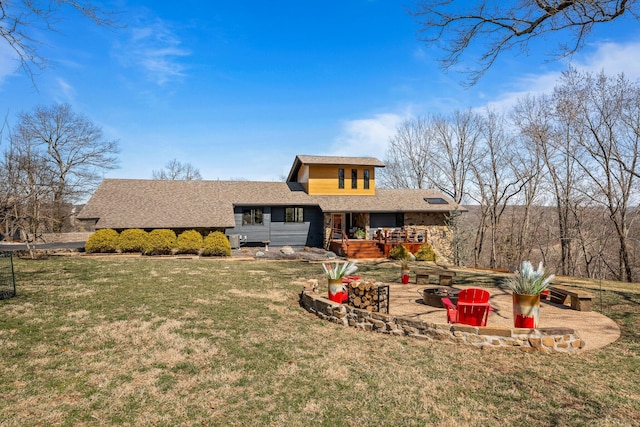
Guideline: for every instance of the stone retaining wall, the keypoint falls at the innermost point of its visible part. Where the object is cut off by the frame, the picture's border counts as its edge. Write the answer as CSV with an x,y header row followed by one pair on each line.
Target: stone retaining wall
x,y
547,340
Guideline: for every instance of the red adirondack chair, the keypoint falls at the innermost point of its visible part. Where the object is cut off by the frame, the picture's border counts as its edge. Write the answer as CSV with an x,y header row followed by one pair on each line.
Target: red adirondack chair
x,y
473,307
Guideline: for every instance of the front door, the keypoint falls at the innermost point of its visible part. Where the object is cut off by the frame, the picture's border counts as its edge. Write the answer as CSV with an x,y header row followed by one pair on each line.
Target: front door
x,y
337,221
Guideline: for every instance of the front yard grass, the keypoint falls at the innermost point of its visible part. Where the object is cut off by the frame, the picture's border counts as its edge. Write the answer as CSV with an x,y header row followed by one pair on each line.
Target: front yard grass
x,y
153,341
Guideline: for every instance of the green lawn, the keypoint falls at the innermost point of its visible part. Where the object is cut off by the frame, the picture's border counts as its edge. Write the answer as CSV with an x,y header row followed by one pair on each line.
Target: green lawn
x,y
158,341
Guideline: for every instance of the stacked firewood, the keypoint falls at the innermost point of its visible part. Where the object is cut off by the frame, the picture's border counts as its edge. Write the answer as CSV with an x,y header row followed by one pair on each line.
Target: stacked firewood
x,y
363,294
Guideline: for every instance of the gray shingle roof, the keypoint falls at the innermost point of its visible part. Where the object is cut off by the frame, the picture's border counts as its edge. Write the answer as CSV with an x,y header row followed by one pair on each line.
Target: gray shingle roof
x,y
131,203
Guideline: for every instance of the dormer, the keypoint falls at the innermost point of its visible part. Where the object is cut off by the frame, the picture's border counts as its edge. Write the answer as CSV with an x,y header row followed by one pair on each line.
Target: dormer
x,y
335,176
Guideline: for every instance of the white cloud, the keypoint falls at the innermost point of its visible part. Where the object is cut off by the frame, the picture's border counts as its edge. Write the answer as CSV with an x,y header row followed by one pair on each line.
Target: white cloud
x,y
610,58
156,50
9,63
367,137
64,91
613,59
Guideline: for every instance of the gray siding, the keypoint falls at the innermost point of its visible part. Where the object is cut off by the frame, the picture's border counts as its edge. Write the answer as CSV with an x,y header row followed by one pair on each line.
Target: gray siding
x,y
280,233
254,233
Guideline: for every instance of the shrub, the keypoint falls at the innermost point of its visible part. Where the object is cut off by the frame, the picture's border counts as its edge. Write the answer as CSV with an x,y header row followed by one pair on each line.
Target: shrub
x,y
190,242
216,244
426,253
160,242
400,252
132,240
102,241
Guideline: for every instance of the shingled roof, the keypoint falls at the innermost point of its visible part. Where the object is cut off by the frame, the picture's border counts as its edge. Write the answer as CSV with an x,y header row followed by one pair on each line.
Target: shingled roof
x,y
131,203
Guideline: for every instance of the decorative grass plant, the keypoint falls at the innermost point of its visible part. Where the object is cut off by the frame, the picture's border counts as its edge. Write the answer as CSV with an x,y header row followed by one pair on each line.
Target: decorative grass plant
x,y
340,270
528,281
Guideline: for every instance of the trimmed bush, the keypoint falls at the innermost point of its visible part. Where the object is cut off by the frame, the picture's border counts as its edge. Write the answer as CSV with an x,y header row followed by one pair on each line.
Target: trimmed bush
x,y
399,252
102,241
216,244
160,242
132,240
190,242
426,253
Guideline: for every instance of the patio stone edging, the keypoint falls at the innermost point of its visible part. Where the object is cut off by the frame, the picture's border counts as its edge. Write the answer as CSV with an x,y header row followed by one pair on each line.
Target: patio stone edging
x,y
545,340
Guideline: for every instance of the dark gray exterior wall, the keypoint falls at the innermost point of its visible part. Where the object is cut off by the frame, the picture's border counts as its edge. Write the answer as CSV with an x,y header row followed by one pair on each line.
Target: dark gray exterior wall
x,y
386,220
277,231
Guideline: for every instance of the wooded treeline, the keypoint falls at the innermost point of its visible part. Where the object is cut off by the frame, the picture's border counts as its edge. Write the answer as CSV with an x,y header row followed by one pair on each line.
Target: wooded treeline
x,y
553,179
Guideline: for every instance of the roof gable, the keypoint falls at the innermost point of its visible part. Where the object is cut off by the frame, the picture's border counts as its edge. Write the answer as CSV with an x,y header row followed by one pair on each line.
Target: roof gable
x,y
330,160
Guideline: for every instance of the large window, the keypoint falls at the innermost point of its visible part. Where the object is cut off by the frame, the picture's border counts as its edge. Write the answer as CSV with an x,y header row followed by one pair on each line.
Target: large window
x,y
294,215
366,179
340,178
252,216
354,178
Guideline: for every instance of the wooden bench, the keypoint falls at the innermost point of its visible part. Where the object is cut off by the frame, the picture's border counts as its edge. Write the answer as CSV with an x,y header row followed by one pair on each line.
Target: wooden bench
x,y
445,277
580,299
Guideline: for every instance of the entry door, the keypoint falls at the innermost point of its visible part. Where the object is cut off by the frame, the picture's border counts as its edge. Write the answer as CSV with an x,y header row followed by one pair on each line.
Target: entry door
x,y
337,221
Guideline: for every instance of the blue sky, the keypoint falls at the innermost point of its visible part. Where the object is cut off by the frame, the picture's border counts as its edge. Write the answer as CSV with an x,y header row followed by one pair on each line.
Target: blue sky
x,y
237,89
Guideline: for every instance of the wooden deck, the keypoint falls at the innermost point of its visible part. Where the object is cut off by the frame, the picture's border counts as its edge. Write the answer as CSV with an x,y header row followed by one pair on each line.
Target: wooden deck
x,y
378,247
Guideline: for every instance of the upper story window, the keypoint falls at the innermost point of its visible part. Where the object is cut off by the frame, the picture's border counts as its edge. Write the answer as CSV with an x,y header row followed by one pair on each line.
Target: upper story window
x,y
354,178
366,179
341,178
294,215
252,216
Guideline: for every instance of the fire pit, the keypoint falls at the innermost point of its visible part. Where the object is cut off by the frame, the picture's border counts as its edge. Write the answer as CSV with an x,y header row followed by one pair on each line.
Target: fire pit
x,y
432,295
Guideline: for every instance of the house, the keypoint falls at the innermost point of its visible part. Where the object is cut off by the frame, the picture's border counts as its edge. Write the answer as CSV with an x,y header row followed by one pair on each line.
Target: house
x,y
323,200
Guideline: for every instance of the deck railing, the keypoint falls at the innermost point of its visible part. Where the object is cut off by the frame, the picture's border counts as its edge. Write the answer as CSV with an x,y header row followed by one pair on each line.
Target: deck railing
x,y
399,235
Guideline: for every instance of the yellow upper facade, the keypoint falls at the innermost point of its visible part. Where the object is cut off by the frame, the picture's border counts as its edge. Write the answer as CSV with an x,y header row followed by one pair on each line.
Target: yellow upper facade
x,y
336,176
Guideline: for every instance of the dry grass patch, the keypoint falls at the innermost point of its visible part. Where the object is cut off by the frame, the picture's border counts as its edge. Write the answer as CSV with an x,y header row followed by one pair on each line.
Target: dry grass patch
x,y
145,341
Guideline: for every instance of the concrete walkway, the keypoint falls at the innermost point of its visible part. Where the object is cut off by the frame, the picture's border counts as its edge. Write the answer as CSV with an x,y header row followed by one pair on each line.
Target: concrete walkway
x,y
594,328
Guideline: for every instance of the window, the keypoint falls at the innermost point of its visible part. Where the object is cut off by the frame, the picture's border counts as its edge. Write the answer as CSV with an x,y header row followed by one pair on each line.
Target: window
x,y
366,179
354,178
252,216
294,215
340,178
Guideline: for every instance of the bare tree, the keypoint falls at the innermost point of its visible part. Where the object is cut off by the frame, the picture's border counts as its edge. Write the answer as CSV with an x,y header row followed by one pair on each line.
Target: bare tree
x,y
409,154
21,20
175,170
501,26
454,147
27,191
607,112
496,182
551,134
74,149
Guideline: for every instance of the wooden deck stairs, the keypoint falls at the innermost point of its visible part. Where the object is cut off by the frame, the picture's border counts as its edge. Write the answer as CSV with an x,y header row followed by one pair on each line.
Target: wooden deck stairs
x,y
358,249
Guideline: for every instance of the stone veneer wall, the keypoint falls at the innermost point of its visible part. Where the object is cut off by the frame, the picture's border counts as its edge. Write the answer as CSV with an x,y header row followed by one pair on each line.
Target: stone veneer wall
x,y
439,235
547,340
